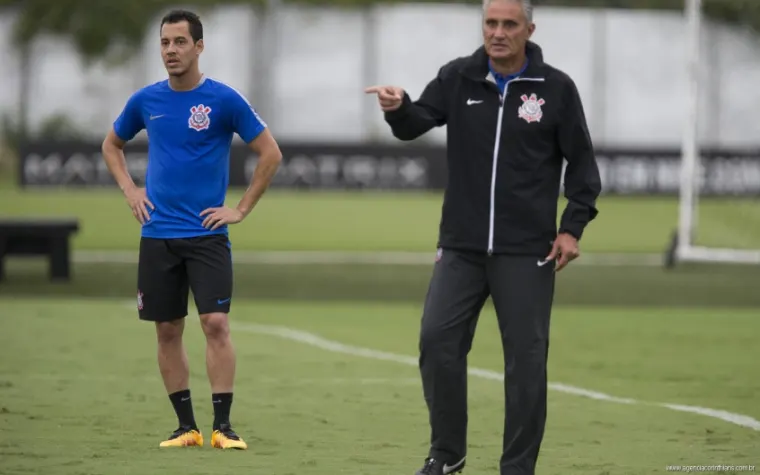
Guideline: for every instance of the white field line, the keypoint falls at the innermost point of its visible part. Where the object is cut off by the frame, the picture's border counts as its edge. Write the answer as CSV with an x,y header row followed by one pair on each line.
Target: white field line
x,y
340,257
337,347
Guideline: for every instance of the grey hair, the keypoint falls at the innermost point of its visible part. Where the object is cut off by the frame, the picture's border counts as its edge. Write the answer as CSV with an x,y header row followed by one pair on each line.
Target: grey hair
x,y
527,6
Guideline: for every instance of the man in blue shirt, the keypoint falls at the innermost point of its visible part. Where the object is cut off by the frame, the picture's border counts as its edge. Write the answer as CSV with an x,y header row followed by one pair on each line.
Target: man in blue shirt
x,y
190,121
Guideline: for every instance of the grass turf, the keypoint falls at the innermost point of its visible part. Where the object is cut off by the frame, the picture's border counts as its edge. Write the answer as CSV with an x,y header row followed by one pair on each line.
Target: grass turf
x,y
635,286
370,221
382,221
80,391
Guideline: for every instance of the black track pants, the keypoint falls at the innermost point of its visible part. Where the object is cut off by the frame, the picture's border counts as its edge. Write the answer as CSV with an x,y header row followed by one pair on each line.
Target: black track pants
x,y
522,293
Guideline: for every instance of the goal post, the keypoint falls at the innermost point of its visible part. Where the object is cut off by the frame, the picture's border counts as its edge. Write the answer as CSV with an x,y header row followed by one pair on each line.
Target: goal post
x,y
683,247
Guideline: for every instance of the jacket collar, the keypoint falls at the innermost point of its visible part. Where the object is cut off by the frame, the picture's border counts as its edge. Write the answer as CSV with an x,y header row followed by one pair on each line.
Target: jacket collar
x,y
476,66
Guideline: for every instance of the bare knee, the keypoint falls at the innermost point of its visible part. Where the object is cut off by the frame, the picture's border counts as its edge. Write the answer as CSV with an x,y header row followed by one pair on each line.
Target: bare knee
x,y
216,327
170,333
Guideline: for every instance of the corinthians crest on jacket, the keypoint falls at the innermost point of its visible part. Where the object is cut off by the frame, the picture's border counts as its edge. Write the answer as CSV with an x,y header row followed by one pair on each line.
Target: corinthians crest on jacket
x,y
199,117
530,110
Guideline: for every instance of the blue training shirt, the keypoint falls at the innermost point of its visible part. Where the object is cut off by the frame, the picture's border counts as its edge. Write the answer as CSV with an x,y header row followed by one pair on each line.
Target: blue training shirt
x,y
189,139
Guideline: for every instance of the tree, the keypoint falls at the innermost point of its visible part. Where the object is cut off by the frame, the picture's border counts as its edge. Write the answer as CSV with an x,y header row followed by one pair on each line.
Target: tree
x,y
97,27
113,30
102,27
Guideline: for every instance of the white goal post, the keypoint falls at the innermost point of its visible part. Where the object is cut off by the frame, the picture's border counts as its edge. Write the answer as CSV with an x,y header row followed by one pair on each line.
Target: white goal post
x,y
682,248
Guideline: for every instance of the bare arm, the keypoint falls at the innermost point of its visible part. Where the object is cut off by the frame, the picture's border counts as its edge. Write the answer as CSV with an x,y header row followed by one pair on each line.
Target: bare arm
x,y
270,157
113,155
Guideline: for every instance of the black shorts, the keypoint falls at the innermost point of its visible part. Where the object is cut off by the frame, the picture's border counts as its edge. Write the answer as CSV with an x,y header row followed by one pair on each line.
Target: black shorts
x,y
169,269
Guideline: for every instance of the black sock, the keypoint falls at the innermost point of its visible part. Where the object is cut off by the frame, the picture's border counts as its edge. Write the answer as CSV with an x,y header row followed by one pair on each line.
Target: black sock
x,y
222,403
183,406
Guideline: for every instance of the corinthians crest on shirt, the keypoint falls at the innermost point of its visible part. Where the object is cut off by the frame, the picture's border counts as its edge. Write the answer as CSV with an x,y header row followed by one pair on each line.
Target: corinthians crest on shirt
x,y
199,117
530,110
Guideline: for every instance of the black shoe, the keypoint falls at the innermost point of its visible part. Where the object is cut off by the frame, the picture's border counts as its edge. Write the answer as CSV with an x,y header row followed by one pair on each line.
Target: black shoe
x,y
439,467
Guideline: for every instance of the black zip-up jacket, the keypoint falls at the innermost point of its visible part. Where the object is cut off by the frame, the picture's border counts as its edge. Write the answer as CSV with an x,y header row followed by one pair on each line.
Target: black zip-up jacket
x,y
505,155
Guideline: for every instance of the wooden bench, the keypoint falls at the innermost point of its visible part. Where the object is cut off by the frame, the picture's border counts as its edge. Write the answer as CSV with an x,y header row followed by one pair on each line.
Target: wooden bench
x,y
46,237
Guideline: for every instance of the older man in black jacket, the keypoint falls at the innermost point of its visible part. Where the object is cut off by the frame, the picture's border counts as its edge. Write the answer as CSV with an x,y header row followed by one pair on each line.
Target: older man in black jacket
x,y
511,120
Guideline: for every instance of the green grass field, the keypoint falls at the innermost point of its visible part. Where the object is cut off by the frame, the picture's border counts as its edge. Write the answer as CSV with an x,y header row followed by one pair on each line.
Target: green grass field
x,y
384,221
80,391
632,285
375,222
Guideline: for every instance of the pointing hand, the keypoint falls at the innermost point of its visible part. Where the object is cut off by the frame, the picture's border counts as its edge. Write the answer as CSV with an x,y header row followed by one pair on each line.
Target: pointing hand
x,y
389,97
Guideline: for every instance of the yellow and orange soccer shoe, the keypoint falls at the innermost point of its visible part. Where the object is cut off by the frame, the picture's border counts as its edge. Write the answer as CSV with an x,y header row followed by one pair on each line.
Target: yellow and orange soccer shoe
x,y
226,438
184,437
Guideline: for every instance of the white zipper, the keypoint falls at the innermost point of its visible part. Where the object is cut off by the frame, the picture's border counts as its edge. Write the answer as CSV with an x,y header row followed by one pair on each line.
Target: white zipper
x,y
492,213
503,99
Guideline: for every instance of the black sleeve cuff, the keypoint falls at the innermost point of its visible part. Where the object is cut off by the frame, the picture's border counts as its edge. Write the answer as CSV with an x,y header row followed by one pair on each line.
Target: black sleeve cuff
x,y
399,113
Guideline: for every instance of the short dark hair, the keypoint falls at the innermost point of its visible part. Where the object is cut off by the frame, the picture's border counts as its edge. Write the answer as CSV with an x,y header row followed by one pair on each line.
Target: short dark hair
x,y
193,22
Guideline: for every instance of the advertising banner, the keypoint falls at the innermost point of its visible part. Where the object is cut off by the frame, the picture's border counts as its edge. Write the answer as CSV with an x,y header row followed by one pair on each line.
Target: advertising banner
x,y
386,167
